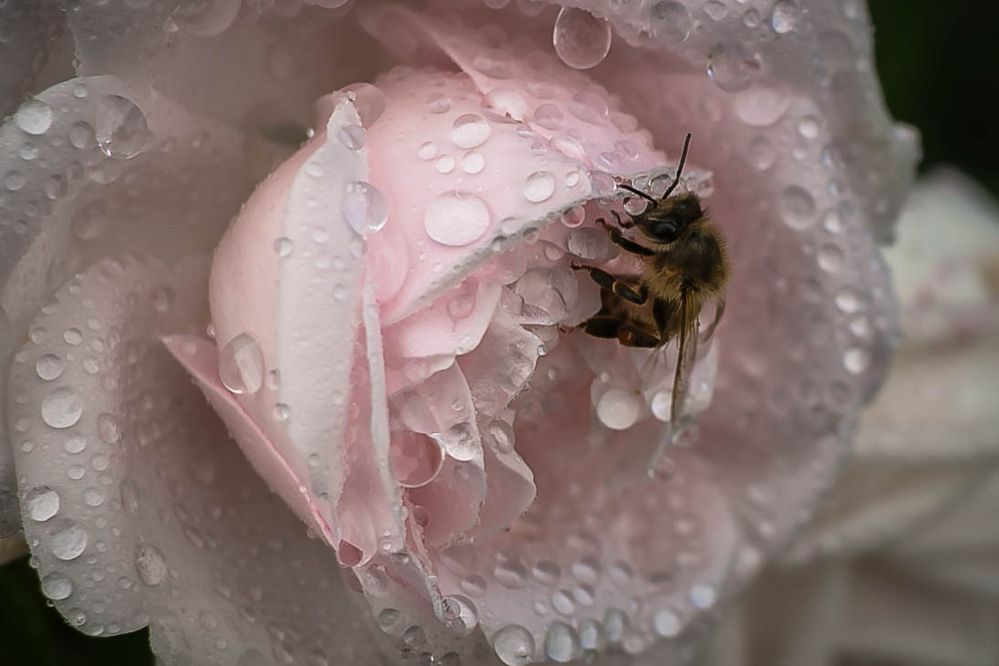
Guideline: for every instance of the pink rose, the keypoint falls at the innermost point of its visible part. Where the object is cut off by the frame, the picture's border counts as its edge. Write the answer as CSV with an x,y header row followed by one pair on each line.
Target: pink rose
x,y
384,326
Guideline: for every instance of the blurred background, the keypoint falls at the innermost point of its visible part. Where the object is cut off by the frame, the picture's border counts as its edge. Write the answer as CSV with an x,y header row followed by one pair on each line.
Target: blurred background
x,y
937,63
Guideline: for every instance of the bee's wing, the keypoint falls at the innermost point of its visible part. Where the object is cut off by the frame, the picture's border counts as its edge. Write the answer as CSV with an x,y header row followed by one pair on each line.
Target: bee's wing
x,y
686,355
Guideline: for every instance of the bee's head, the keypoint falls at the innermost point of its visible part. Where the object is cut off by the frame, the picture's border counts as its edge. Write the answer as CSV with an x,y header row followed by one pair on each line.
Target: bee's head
x,y
669,218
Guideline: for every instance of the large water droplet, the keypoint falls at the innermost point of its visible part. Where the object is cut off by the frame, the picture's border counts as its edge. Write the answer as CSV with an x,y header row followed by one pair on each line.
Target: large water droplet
x,y
561,643
539,186
514,645
49,367
364,208
456,218
581,40
149,564
120,128
41,504
62,408
69,543
56,587
416,458
241,365
732,67
34,117
470,131
619,409
369,101
205,18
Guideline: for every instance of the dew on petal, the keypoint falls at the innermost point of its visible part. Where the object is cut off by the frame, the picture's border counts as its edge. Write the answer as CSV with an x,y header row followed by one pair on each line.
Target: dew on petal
x,y
797,207
514,645
427,150
562,643
548,116
539,186
438,103
619,409
762,106
671,20
470,130
732,67
473,162
241,365
364,208
69,542
149,564
62,408
34,117
856,360
49,367
41,504
121,129
416,458
456,218
666,623
56,587
581,40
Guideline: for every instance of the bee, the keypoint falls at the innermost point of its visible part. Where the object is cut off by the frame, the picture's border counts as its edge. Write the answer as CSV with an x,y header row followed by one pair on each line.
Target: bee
x,y
684,268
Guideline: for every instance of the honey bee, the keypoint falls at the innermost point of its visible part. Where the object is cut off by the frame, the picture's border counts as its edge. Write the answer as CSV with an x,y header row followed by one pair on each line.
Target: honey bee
x,y
684,267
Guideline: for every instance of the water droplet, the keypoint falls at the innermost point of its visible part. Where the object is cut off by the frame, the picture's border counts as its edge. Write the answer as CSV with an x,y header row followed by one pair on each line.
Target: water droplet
x,y
49,367
507,102
414,636
241,365
282,412
427,150
14,181
41,504
461,613
785,16
619,409
574,217
797,207
510,574
856,360
615,624
205,18
762,153
351,136
369,101
581,39
470,131
539,186
762,106
75,445
121,129
548,116
69,543
388,618
149,564
514,645
438,103
56,587
364,208
831,258
666,624
671,20
561,643
463,302
502,436
416,458
34,117
444,164
62,408
283,246
473,162
732,67
703,596
589,106
456,218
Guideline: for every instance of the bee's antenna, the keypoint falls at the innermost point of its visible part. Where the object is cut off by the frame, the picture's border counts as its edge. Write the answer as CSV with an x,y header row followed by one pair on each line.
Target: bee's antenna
x,y
638,192
679,167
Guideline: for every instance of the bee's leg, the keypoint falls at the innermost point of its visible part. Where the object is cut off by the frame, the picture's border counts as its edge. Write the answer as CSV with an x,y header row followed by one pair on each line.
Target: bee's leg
x,y
626,334
613,285
626,244
719,311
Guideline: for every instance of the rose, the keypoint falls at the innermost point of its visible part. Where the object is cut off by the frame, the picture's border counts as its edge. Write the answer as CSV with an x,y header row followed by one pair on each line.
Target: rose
x,y
137,508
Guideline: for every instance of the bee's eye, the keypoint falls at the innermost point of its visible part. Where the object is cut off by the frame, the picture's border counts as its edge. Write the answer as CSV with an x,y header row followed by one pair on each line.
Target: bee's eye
x,y
664,231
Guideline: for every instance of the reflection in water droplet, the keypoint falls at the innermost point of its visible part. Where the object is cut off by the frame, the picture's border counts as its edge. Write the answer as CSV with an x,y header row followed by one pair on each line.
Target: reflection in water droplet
x,y
514,645
34,117
61,408
732,67
581,40
121,129
456,218
470,131
241,365
69,543
364,208
41,504
416,458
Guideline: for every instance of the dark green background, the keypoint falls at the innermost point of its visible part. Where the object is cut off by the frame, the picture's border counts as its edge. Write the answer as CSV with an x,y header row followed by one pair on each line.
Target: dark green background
x,y
938,63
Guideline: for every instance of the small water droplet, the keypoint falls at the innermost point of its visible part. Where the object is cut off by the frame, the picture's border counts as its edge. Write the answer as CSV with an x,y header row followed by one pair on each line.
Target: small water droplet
x,y
34,117
283,246
427,150
502,436
473,162
856,360
671,20
49,367
282,412
121,128
388,618
562,643
666,623
456,218
69,543
444,164
732,67
364,208
470,131
75,445
514,645
797,207
416,458
703,596
581,40
785,16
62,408
241,365
41,504
762,106
539,186
548,116
56,587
